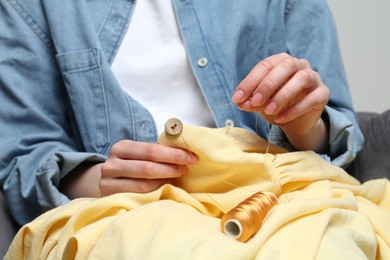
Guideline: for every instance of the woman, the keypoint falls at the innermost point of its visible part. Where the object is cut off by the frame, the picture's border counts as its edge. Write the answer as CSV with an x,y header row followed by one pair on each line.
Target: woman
x,y
86,87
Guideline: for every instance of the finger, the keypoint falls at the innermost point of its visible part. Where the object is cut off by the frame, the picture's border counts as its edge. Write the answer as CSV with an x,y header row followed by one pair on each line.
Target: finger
x,y
246,106
277,78
300,84
313,103
128,149
119,168
247,86
110,186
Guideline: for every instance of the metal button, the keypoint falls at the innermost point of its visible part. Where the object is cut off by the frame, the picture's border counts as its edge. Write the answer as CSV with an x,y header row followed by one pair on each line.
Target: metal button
x,y
202,62
229,123
173,126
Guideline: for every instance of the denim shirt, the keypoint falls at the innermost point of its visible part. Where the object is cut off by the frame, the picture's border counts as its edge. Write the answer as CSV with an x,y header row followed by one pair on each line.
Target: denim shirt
x,y
61,104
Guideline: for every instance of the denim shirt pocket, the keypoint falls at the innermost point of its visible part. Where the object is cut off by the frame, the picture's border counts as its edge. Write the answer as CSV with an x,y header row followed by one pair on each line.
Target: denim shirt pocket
x,y
82,75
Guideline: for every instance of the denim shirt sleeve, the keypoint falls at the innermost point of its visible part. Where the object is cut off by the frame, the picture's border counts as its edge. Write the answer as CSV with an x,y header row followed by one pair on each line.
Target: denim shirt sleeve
x,y
62,104
38,145
311,34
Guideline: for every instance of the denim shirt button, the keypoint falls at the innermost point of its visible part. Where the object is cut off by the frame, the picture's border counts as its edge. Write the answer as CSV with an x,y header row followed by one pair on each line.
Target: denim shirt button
x,y
202,62
229,123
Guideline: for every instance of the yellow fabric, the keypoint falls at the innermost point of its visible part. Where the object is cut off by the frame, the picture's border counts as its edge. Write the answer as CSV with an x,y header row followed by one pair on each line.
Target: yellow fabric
x,y
323,212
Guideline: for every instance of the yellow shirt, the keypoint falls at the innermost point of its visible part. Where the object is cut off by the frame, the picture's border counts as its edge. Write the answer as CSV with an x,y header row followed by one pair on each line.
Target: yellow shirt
x,y
323,213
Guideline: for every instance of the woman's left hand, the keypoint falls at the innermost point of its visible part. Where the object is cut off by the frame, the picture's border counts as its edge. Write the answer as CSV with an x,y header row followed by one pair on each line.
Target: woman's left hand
x,y
286,91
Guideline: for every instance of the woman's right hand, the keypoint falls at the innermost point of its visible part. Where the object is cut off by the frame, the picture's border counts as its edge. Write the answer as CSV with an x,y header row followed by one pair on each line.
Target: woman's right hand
x,y
142,167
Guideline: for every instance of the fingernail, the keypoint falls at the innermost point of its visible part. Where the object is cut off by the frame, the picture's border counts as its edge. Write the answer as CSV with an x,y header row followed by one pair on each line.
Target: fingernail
x,y
271,108
257,99
192,159
238,96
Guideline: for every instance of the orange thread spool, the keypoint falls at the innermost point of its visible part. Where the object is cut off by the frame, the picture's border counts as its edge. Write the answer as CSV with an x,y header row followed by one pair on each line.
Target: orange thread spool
x,y
243,221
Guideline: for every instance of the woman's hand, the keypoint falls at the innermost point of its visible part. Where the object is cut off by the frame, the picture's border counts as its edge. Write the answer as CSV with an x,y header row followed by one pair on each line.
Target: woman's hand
x,y
131,167
287,92
142,167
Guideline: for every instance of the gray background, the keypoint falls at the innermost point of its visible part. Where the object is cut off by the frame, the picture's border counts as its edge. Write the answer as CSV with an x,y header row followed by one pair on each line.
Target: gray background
x,y
364,33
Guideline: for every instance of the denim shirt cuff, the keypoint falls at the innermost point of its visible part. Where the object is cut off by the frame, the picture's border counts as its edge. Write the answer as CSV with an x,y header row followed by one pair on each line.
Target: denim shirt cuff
x,y
45,184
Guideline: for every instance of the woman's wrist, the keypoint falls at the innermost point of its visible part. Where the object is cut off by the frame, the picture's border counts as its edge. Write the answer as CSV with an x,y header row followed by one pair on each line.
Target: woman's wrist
x,y
316,139
83,181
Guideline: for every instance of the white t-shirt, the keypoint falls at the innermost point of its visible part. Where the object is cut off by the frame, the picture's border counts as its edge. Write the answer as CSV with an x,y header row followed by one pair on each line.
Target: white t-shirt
x,y
152,66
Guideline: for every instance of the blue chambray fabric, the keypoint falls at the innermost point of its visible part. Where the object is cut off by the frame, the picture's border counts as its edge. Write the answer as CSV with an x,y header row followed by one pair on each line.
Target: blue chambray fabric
x,y
61,104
